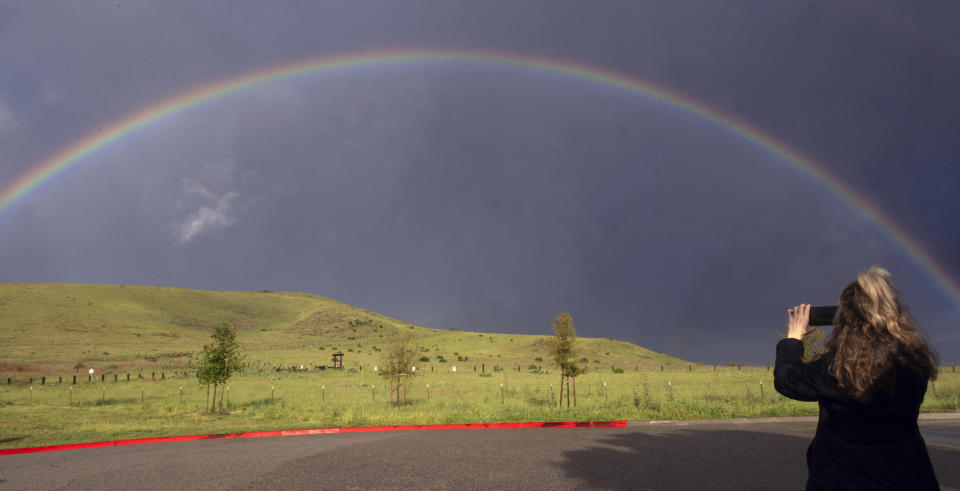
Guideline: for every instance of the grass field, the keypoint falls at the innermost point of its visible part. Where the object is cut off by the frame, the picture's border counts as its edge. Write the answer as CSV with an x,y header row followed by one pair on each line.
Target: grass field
x,y
57,331
63,413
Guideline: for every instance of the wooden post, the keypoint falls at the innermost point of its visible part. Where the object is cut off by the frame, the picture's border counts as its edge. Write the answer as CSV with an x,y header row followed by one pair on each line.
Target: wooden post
x,y
74,380
8,380
60,380
153,376
128,377
114,378
43,380
163,376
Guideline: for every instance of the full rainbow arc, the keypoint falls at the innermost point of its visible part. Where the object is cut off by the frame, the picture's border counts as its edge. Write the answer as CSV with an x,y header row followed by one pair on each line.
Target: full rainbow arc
x,y
17,190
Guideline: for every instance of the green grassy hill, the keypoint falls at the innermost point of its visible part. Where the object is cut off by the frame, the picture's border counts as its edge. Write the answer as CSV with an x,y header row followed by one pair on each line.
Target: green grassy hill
x,y
49,328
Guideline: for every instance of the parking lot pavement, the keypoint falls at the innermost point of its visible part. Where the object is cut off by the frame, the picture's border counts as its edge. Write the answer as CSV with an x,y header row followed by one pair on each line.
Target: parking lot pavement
x,y
725,455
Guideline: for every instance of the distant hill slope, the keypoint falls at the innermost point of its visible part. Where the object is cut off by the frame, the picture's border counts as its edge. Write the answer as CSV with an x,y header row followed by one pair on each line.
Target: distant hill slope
x,y
48,327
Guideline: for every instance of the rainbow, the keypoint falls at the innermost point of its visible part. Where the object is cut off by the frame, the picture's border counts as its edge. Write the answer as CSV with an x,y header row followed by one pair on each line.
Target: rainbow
x,y
36,175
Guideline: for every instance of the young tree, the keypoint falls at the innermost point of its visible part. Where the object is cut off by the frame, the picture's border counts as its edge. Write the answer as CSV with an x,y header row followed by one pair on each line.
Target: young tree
x,y
563,351
397,363
219,360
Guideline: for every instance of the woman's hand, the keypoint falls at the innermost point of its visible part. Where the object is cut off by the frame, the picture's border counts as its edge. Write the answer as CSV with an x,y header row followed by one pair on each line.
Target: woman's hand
x,y
798,321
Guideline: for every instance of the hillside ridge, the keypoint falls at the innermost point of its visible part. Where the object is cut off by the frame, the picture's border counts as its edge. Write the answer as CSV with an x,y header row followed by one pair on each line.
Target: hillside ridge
x,y
45,326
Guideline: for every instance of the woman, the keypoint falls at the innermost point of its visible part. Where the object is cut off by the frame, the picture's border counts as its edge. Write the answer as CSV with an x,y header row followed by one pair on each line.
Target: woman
x,y
869,378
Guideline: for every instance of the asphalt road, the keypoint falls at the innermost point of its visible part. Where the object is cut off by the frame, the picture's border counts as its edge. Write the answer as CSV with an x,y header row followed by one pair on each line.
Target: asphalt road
x,y
641,456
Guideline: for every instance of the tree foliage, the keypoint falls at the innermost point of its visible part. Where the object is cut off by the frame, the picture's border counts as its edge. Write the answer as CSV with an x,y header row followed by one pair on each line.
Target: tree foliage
x,y
396,365
220,359
563,352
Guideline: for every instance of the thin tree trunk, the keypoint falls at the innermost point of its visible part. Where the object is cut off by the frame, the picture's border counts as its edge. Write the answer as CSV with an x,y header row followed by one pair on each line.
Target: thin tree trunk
x,y
214,405
574,391
568,392
404,391
562,377
207,407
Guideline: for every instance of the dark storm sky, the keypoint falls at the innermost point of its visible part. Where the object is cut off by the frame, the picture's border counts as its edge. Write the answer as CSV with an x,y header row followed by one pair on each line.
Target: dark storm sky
x,y
489,198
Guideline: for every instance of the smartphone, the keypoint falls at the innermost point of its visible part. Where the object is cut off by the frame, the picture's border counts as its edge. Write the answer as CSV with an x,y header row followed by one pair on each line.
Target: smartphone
x,y
822,316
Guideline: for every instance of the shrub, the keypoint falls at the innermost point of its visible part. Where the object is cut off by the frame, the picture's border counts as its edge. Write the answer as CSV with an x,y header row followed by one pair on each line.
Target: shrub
x,y
531,367
425,359
618,370
486,374
539,359
585,360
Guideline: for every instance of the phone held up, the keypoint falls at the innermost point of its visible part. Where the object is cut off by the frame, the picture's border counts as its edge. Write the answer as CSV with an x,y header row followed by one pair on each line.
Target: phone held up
x,y
822,316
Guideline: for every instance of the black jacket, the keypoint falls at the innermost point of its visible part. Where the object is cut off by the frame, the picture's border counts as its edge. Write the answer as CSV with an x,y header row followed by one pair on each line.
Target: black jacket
x,y
858,446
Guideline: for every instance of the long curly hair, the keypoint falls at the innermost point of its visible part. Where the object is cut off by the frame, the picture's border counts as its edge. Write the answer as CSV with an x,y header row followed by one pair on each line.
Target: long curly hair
x,y
873,338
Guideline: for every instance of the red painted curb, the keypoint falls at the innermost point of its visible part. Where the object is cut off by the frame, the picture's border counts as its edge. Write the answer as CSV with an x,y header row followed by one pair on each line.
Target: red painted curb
x,y
318,431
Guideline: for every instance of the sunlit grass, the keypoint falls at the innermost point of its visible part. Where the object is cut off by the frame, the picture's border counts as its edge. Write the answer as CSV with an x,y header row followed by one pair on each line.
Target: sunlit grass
x,y
63,413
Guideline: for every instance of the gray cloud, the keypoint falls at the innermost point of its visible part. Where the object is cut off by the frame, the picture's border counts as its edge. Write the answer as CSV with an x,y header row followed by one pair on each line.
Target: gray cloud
x,y
218,212
8,122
